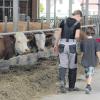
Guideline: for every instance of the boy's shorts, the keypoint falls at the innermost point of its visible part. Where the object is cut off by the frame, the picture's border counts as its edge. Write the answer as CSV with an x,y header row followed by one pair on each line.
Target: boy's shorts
x,y
89,71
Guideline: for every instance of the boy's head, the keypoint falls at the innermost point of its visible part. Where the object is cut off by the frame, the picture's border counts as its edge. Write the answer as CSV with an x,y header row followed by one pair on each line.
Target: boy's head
x,y
77,14
90,31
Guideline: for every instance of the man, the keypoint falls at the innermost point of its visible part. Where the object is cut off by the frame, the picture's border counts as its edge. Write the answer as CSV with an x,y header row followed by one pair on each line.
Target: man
x,y
65,44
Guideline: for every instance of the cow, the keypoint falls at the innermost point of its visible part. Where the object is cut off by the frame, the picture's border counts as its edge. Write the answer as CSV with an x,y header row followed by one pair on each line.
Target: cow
x,y
21,46
11,45
17,44
7,46
37,41
40,38
2,47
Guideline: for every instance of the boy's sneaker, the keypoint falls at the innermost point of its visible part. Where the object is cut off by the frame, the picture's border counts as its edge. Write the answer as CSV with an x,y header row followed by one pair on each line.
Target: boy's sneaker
x,y
88,89
62,87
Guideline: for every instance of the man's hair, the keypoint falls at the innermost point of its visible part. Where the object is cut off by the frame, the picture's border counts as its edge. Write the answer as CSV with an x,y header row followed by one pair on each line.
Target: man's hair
x,y
77,12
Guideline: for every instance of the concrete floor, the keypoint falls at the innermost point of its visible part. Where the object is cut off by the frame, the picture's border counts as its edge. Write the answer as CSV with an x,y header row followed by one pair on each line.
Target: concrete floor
x,y
80,95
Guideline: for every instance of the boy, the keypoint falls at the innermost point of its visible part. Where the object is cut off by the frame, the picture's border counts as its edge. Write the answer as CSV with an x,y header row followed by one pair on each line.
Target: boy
x,y
90,51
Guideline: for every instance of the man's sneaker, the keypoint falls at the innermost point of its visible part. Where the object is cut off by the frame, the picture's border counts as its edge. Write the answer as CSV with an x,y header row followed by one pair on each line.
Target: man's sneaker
x,y
88,89
74,89
70,89
62,89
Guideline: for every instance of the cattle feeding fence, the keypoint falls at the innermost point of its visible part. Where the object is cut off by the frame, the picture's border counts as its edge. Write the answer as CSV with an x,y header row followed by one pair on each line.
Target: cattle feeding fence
x,y
29,32
43,30
29,59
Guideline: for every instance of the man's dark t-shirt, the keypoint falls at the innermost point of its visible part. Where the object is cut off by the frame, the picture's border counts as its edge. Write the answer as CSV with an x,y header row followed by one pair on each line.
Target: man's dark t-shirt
x,y
70,22
89,47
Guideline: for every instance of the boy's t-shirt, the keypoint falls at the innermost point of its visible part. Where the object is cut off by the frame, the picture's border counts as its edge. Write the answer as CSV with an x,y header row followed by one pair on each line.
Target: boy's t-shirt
x,y
89,47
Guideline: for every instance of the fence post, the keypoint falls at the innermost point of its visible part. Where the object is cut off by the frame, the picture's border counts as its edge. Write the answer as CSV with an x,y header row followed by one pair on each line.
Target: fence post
x,y
15,15
56,21
28,23
54,13
5,24
48,10
42,22
99,29
86,12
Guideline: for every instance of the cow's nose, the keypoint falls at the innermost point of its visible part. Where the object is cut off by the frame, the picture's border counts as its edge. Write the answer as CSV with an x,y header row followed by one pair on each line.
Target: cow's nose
x,y
27,50
41,49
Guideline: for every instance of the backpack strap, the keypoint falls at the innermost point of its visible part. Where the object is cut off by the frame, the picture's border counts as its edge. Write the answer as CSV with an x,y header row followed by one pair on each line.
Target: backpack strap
x,y
71,28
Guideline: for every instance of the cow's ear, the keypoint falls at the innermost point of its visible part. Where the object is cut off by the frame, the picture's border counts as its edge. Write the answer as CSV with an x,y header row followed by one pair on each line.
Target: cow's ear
x,y
18,42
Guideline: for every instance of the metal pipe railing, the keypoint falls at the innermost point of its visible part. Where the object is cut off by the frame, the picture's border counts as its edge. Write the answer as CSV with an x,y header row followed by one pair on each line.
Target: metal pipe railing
x,y
29,32
44,30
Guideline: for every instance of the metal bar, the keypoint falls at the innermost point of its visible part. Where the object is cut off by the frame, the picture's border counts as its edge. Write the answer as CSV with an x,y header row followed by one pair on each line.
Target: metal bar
x,y
27,7
28,23
92,3
5,24
28,32
86,12
15,14
48,10
70,7
54,13
88,26
5,7
42,23
99,7
3,10
44,30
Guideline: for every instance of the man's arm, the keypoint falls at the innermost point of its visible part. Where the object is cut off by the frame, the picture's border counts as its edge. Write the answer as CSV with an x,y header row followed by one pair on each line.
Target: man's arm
x,y
98,55
77,34
57,37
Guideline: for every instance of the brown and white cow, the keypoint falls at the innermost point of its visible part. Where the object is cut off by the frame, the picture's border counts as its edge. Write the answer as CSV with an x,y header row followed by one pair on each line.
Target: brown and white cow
x,y
21,43
17,44
7,46
37,41
11,45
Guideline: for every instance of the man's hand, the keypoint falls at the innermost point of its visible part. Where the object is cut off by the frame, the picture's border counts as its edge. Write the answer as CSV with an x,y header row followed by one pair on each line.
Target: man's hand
x,y
99,62
56,51
57,37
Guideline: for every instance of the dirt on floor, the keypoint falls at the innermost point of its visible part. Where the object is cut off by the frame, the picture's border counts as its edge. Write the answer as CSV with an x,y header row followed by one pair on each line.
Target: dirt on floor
x,y
30,83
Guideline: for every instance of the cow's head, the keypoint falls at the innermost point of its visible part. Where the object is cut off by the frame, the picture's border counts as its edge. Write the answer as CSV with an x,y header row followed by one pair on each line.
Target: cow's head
x,y
21,43
40,40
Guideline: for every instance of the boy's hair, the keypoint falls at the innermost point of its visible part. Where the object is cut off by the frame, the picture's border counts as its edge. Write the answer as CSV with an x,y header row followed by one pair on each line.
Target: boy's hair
x,y
77,12
90,31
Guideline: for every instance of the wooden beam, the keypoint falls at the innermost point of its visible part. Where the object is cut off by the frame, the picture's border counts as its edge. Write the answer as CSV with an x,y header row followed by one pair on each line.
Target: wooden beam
x,y
35,9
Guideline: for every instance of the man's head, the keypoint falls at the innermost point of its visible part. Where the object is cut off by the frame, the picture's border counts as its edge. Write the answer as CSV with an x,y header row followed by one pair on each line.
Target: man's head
x,y
77,14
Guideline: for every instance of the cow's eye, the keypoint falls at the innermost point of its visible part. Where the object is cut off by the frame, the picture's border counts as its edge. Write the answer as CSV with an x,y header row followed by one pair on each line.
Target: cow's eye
x,y
18,41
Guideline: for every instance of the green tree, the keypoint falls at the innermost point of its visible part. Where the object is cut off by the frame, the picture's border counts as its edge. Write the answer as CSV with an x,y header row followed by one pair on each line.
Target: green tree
x,y
41,7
